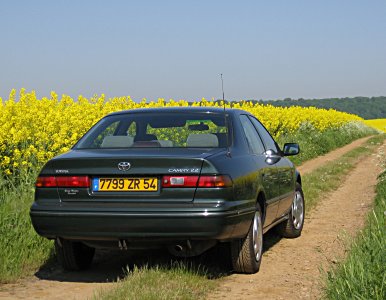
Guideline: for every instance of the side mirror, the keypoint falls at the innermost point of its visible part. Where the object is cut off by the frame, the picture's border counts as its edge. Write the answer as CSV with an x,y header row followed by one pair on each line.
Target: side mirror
x,y
291,149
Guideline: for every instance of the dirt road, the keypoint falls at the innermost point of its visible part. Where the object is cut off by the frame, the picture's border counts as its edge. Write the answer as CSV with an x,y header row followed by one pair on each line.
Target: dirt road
x,y
315,163
290,268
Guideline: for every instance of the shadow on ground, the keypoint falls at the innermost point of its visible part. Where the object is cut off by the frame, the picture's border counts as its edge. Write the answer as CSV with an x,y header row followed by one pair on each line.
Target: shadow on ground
x,y
111,265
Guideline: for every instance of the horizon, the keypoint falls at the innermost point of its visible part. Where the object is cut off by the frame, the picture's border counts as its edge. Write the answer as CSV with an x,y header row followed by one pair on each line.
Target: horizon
x,y
17,97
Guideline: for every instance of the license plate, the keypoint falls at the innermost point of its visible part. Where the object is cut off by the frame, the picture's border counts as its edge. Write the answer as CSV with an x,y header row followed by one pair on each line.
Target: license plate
x,y
140,184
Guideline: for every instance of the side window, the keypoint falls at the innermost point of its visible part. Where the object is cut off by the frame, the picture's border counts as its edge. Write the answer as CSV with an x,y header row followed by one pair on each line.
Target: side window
x,y
132,130
266,137
253,138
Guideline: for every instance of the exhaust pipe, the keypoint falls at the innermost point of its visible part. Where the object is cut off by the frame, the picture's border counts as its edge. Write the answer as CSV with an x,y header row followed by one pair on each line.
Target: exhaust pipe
x,y
178,248
122,244
191,248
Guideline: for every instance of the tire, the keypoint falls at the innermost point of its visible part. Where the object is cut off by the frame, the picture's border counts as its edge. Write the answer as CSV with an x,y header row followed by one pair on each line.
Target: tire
x,y
293,226
73,256
247,252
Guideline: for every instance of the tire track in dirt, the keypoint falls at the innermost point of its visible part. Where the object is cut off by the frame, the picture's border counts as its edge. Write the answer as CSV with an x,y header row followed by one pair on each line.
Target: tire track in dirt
x,y
53,283
317,162
291,268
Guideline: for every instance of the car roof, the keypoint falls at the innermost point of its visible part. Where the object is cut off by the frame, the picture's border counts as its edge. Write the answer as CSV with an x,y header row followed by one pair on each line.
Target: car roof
x,y
185,109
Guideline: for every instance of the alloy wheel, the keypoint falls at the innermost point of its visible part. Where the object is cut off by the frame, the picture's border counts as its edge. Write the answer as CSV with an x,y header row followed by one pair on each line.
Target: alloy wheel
x,y
298,210
257,236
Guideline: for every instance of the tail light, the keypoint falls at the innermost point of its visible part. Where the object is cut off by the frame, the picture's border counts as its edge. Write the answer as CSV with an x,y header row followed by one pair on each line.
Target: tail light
x,y
49,181
63,181
214,181
179,181
73,181
205,181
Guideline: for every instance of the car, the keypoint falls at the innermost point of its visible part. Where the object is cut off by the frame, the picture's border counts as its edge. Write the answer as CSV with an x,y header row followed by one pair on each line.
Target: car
x,y
186,179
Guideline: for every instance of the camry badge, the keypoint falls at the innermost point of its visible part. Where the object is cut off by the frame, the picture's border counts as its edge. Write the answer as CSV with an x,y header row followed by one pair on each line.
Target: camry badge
x,y
124,166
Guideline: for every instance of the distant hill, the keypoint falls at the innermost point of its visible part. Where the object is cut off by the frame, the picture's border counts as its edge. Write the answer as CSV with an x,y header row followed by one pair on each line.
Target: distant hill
x,y
367,108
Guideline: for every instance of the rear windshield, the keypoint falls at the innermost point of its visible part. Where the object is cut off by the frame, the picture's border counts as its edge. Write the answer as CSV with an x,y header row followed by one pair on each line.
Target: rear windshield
x,y
169,130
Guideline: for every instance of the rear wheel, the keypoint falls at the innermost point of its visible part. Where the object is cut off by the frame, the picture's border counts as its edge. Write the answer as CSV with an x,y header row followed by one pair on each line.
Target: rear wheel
x,y
247,252
293,226
74,256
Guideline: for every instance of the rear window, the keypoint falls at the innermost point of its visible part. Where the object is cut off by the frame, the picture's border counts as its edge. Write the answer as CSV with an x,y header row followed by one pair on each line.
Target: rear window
x,y
165,130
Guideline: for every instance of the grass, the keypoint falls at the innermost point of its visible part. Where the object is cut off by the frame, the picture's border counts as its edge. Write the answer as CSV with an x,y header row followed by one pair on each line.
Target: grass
x,y
314,143
177,281
22,251
331,175
362,275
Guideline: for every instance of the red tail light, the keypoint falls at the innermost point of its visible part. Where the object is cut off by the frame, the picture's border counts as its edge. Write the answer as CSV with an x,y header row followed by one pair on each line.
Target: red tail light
x,y
63,181
205,181
73,181
214,181
49,181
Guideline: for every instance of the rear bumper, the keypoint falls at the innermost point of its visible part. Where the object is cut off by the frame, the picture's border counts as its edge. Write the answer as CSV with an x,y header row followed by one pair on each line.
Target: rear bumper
x,y
217,225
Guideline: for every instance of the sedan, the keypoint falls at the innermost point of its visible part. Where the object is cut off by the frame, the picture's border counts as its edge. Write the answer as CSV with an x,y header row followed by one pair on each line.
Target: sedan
x,y
186,179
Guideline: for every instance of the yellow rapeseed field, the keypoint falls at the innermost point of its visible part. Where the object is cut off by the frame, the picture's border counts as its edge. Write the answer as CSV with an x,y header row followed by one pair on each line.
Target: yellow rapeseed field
x,y
379,124
34,130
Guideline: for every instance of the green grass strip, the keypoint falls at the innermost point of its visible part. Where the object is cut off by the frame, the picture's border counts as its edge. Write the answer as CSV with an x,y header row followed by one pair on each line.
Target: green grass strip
x,y
314,143
331,175
22,251
362,275
177,281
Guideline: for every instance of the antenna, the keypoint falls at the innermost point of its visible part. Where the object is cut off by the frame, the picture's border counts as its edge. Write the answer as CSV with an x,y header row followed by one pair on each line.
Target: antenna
x,y
222,87
225,116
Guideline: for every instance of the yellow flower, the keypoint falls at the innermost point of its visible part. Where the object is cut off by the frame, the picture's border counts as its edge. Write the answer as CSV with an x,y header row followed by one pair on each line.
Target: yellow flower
x,y
33,130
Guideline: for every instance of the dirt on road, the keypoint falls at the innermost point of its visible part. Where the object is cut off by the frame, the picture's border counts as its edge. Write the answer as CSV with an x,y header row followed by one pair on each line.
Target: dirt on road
x,y
317,162
289,270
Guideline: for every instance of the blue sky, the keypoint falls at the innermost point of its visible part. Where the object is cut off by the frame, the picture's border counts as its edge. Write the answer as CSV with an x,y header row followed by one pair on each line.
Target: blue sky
x,y
177,49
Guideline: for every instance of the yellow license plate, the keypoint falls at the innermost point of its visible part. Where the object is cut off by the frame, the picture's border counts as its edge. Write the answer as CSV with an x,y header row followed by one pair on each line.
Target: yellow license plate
x,y
141,184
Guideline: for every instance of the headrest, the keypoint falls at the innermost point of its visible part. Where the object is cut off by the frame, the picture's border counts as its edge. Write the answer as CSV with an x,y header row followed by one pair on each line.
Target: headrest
x,y
117,141
204,140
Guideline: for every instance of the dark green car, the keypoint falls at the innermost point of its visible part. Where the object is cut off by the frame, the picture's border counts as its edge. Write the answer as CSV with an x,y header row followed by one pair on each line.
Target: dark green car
x,y
182,178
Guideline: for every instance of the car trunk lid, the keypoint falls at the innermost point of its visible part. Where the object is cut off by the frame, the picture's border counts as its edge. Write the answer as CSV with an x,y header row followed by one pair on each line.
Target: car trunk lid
x,y
140,166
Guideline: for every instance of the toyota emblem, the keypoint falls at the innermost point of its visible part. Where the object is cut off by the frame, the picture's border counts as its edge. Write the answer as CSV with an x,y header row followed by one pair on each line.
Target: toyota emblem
x,y
124,166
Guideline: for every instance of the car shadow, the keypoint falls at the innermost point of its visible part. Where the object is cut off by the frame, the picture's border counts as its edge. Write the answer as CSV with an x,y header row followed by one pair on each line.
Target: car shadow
x,y
114,265
271,238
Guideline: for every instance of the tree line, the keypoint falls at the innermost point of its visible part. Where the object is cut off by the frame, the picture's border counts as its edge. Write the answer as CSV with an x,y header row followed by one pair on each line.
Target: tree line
x,y
365,107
